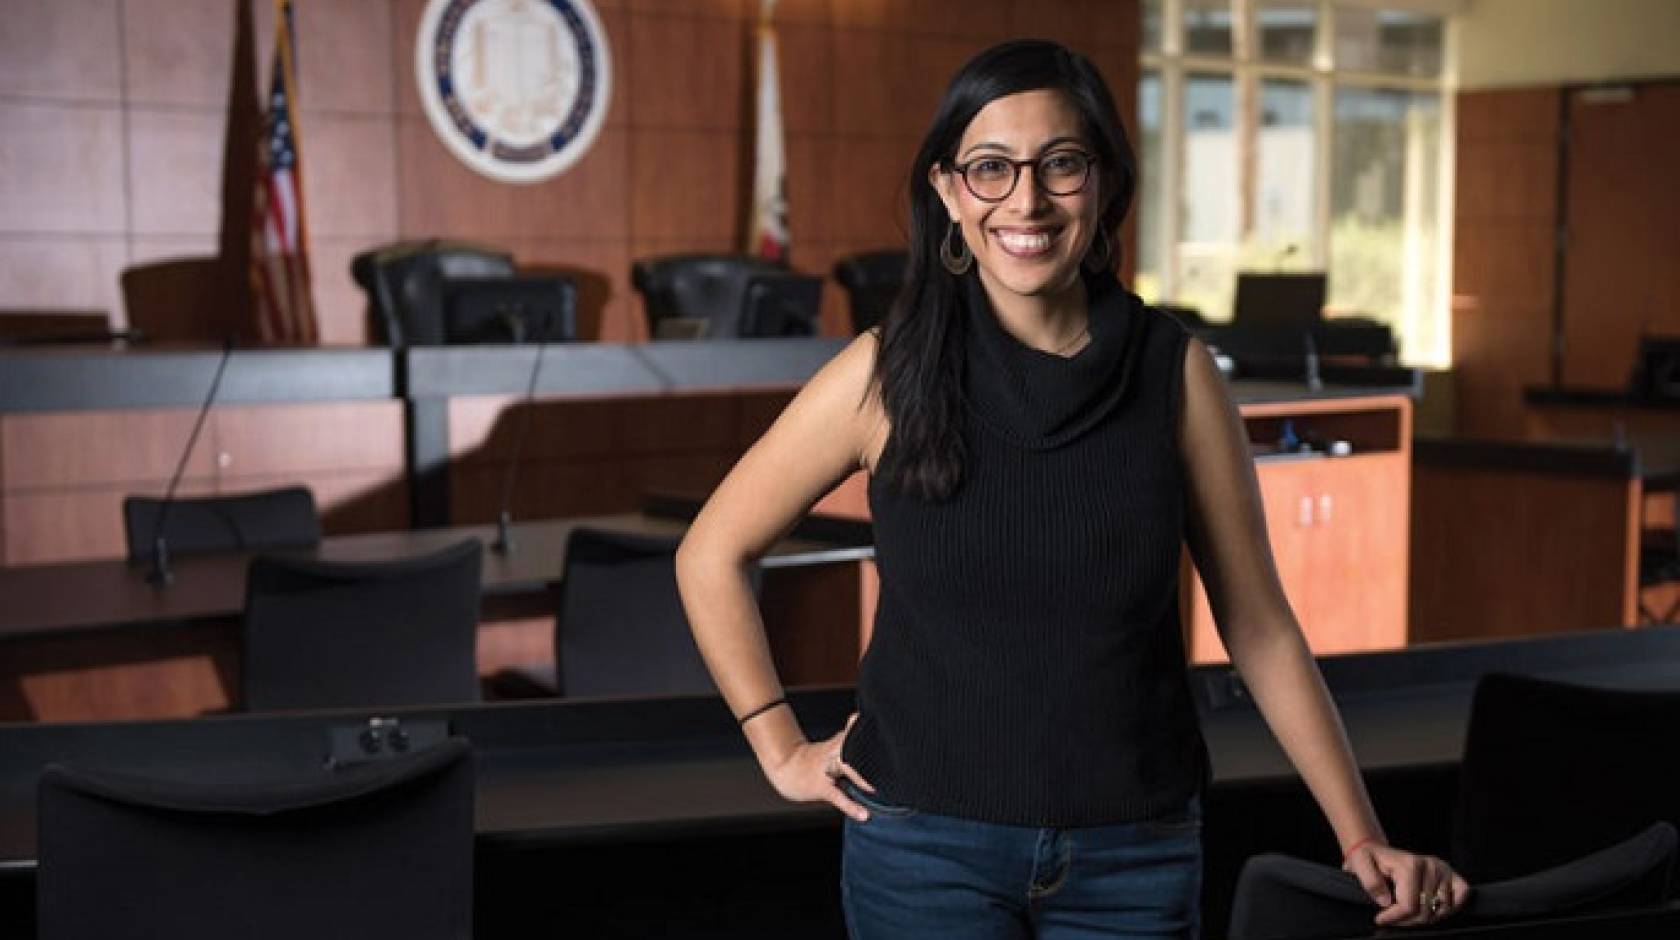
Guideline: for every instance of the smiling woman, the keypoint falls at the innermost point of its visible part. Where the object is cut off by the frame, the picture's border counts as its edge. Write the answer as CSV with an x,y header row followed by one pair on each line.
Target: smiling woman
x,y
1026,760
1030,238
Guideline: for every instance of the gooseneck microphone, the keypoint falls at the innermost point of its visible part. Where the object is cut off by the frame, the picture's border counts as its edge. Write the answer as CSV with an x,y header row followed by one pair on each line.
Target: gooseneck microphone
x,y
504,520
161,575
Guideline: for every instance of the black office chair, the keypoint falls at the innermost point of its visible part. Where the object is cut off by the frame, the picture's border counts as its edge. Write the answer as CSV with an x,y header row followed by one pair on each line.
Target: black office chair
x,y
380,634
872,280
405,285
382,849
782,304
1283,898
707,296
522,308
620,628
1552,771
283,518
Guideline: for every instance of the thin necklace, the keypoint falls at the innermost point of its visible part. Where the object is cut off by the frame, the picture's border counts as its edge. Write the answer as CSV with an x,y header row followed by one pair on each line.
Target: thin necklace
x,y
1084,332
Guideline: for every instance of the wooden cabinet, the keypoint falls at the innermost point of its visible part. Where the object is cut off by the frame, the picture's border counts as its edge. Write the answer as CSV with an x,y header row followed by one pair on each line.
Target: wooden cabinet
x,y
1338,526
1521,538
64,475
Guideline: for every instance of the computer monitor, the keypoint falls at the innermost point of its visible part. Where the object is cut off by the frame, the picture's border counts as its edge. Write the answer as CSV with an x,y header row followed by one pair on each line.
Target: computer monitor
x,y
525,308
1279,301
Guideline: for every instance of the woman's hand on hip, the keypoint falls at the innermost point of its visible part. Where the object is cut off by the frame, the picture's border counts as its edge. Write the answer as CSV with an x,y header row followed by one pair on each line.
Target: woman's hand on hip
x,y
1412,890
813,771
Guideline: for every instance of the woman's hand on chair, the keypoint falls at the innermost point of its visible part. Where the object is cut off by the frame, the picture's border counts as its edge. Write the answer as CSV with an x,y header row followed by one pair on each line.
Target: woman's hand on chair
x,y
1412,890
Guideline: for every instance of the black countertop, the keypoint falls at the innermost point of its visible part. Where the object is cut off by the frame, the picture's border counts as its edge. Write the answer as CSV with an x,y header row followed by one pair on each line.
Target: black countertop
x,y
1655,459
1579,397
79,378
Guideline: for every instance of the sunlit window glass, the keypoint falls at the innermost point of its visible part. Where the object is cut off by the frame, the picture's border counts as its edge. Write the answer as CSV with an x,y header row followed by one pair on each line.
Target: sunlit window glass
x,y
1393,42
1385,225
1147,281
1287,135
1282,232
1207,27
1210,202
1286,29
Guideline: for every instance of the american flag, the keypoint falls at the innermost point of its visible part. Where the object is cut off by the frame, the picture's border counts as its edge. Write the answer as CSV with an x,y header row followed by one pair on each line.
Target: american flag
x,y
285,308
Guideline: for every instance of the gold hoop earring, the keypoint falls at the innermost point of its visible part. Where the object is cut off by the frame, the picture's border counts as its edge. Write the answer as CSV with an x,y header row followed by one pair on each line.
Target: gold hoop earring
x,y
1096,261
954,261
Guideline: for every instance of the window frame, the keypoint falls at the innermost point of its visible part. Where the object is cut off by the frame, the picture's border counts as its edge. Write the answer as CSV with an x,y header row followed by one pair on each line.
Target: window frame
x,y
1171,65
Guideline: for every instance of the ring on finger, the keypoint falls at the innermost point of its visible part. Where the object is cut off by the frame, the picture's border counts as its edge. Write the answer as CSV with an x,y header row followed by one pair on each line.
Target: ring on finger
x,y
833,768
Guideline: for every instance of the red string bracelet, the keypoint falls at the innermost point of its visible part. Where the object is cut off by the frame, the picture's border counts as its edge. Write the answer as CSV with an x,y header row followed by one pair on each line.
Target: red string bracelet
x,y
1355,847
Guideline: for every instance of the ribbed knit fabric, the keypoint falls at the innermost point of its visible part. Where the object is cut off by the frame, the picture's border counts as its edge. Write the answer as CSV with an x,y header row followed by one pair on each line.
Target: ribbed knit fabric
x,y
1027,664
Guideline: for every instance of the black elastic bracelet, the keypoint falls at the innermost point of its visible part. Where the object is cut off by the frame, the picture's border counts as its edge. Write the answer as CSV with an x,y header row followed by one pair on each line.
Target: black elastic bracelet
x,y
749,716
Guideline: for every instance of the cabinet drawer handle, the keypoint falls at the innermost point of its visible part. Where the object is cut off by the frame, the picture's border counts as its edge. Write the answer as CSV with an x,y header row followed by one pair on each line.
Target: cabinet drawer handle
x,y
224,459
1326,504
1304,518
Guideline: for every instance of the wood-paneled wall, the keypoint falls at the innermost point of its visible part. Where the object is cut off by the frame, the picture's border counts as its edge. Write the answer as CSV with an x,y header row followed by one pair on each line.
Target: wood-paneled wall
x,y
114,114
1503,254
1610,166
1620,281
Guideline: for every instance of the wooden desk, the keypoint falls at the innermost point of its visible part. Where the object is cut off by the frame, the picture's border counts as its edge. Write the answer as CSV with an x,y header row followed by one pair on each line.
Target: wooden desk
x,y
1524,537
94,640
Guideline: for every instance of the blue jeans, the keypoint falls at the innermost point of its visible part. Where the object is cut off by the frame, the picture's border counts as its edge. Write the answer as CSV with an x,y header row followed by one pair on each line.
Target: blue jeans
x,y
906,873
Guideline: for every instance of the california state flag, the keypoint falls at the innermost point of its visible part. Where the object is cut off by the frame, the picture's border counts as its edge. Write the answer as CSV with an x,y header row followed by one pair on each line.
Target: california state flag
x,y
769,234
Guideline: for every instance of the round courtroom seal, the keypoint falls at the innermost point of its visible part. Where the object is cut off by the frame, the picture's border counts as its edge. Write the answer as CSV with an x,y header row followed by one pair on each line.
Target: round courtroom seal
x,y
517,89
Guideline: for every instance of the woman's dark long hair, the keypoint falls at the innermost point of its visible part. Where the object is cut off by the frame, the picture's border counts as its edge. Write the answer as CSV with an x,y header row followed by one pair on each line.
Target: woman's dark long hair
x,y
919,367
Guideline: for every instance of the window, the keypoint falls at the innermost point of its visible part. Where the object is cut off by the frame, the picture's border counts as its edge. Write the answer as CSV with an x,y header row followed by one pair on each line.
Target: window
x,y
1287,30
1279,135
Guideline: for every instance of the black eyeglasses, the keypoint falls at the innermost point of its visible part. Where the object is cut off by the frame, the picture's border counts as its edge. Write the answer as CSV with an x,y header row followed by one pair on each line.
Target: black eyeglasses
x,y
993,178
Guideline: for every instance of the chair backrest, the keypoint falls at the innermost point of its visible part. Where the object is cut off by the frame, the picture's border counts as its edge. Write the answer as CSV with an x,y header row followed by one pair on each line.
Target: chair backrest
x,y
872,281
781,304
1552,771
621,629
377,850
283,518
1280,897
699,288
1283,898
521,308
404,283
1636,872
346,635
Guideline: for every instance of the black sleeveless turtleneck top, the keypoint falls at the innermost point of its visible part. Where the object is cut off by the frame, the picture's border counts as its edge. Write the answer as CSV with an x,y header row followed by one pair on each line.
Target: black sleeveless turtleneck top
x,y
1027,663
